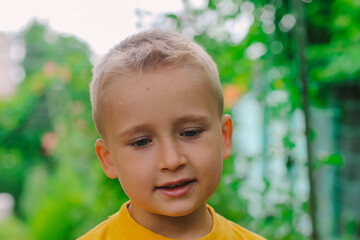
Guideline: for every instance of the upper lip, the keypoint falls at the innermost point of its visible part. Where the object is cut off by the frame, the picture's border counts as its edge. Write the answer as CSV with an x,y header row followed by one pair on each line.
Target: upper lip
x,y
176,182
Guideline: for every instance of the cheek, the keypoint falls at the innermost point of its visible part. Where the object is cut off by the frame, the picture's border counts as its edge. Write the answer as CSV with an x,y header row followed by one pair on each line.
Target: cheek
x,y
215,156
133,185
214,147
210,172
135,174
210,158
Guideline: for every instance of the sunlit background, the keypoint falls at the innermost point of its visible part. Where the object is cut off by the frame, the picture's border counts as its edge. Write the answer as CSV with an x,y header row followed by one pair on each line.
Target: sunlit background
x,y
290,74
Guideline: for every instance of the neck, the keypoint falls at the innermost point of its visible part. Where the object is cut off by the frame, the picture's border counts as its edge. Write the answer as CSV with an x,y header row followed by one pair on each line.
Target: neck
x,y
192,226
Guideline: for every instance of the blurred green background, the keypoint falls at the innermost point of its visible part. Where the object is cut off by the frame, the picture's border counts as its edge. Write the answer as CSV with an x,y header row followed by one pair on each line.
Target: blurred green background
x,y
290,73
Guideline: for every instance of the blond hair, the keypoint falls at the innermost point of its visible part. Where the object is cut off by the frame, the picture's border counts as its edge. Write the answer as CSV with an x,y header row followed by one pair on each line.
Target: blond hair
x,y
147,51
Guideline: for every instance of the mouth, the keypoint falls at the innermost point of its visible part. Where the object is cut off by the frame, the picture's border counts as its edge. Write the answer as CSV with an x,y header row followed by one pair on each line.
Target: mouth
x,y
177,184
176,189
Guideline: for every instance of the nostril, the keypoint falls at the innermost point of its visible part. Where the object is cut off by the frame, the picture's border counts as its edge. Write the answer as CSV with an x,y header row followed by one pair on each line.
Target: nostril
x,y
175,168
181,166
171,157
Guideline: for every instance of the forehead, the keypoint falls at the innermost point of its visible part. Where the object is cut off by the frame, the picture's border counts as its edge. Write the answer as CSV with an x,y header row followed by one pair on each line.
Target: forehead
x,y
171,79
152,92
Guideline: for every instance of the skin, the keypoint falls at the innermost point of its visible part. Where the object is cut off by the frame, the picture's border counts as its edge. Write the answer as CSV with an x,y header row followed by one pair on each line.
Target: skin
x,y
162,127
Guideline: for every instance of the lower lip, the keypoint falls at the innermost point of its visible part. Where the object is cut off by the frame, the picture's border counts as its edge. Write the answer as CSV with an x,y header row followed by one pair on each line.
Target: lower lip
x,y
177,192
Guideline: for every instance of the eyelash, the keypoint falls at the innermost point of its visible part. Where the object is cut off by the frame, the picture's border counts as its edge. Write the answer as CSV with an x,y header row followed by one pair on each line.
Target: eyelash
x,y
141,143
196,132
144,142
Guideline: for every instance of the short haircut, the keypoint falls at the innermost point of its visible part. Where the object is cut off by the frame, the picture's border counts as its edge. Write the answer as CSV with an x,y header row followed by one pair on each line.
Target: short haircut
x,y
148,51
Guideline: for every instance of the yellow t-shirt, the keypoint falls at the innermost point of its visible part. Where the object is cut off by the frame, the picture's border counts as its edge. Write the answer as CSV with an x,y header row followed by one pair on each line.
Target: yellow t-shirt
x,y
123,227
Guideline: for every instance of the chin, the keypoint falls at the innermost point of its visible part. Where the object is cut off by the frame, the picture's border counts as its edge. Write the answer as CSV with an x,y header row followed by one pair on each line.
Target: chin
x,y
179,210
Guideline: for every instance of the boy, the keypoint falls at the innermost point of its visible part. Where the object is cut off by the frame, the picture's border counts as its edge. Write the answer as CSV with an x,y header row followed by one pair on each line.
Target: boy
x,y
158,107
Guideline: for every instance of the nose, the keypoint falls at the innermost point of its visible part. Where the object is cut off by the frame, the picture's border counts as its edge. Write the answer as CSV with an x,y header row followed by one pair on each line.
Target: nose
x,y
171,156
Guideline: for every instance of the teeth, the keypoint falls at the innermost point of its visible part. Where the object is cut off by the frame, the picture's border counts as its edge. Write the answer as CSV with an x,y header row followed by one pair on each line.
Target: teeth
x,y
170,186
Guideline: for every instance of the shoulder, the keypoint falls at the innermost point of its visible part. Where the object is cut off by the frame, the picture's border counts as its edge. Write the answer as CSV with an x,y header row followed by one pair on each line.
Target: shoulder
x,y
99,232
238,231
231,230
105,230
112,228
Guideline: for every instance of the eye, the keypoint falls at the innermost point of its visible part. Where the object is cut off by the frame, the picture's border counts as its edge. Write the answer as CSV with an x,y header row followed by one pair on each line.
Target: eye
x,y
140,143
193,133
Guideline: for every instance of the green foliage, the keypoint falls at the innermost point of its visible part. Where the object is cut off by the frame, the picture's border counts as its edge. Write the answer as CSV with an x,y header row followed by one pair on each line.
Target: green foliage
x,y
12,228
333,54
334,159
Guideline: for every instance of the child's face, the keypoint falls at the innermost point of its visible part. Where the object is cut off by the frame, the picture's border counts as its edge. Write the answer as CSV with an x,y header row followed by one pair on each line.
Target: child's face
x,y
165,141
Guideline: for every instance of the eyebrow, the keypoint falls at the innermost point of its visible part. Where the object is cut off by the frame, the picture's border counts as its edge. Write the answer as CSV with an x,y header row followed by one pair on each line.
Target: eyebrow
x,y
134,129
193,118
198,118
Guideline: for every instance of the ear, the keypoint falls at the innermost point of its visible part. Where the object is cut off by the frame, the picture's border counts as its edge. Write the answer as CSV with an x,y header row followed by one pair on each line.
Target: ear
x,y
104,156
226,136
